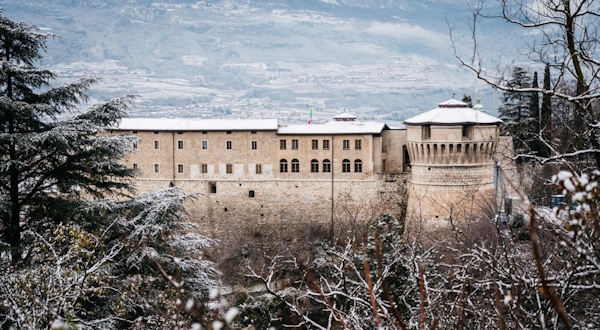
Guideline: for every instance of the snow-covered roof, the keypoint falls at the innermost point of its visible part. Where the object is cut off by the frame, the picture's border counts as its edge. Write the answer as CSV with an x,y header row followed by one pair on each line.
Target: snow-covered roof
x,y
344,116
334,127
195,124
452,112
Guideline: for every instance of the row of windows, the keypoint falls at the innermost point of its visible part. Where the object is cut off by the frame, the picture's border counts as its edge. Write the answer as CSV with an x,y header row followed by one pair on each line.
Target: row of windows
x,y
204,168
325,144
283,167
314,166
228,145
254,144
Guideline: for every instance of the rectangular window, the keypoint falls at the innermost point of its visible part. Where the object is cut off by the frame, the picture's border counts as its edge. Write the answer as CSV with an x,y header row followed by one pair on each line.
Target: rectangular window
x,y
180,145
282,144
325,144
212,186
180,132
156,168
156,144
229,144
254,145
204,145
426,132
346,144
467,132
252,132
135,167
179,168
251,193
135,145
315,144
258,169
357,144
229,168
294,144
228,132
155,132
204,168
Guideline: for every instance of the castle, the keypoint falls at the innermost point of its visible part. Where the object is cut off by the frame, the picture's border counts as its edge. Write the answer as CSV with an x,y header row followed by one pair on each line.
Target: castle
x,y
256,174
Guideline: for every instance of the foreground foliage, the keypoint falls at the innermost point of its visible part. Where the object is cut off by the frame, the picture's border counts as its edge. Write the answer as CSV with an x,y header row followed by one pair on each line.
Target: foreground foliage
x,y
76,251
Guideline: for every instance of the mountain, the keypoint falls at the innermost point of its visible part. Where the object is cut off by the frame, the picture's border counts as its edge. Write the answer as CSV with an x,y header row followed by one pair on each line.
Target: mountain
x,y
380,59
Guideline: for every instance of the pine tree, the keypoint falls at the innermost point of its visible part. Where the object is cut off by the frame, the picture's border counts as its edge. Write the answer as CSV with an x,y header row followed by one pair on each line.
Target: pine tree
x,y
47,163
546,109
468,100
535,144
514,110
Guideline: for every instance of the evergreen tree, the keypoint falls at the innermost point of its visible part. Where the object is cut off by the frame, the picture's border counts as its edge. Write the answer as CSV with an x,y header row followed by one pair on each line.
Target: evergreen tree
x,y
468,100
514,110
46,163
546,109
535,144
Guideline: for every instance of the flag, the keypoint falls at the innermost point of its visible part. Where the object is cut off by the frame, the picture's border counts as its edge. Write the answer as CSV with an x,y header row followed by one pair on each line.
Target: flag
x,y
310,118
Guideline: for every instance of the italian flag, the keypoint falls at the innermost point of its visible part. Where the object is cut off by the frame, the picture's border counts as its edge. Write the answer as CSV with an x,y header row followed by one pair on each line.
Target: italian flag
x,y
310,118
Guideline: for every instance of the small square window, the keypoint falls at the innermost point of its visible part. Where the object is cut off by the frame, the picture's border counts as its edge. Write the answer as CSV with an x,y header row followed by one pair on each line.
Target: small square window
x,y
156,168
180,145
204,168
155,132
258,169
204,145
229,145
254,145
179,168
135,167
252,132
325,144
357,144
156,144
133,132
346,144
315,144
228,132
204,132
282,144
294,144
180,132
251,193
229,168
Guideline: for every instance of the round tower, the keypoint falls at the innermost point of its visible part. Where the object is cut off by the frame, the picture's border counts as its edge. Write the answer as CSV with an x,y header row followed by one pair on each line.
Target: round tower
x,y
452,163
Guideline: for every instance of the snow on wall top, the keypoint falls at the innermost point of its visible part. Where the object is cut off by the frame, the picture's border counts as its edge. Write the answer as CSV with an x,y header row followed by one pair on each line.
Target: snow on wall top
x,y
195,124
452,112
334,127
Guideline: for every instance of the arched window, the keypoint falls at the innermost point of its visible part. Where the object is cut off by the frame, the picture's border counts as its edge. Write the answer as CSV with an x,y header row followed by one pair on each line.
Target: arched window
x,y
295,166
346,166
283,166
326,166
358,166
314,166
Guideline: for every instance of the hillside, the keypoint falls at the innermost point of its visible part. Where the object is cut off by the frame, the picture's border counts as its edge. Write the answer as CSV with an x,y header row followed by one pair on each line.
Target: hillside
x,y
379,59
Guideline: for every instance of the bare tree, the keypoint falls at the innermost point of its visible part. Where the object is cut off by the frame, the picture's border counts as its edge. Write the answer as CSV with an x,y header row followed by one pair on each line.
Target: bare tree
x,y
564,36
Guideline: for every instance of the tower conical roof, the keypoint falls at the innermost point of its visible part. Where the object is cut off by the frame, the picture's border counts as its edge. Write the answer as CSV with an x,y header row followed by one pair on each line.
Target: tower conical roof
x,y
452,112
